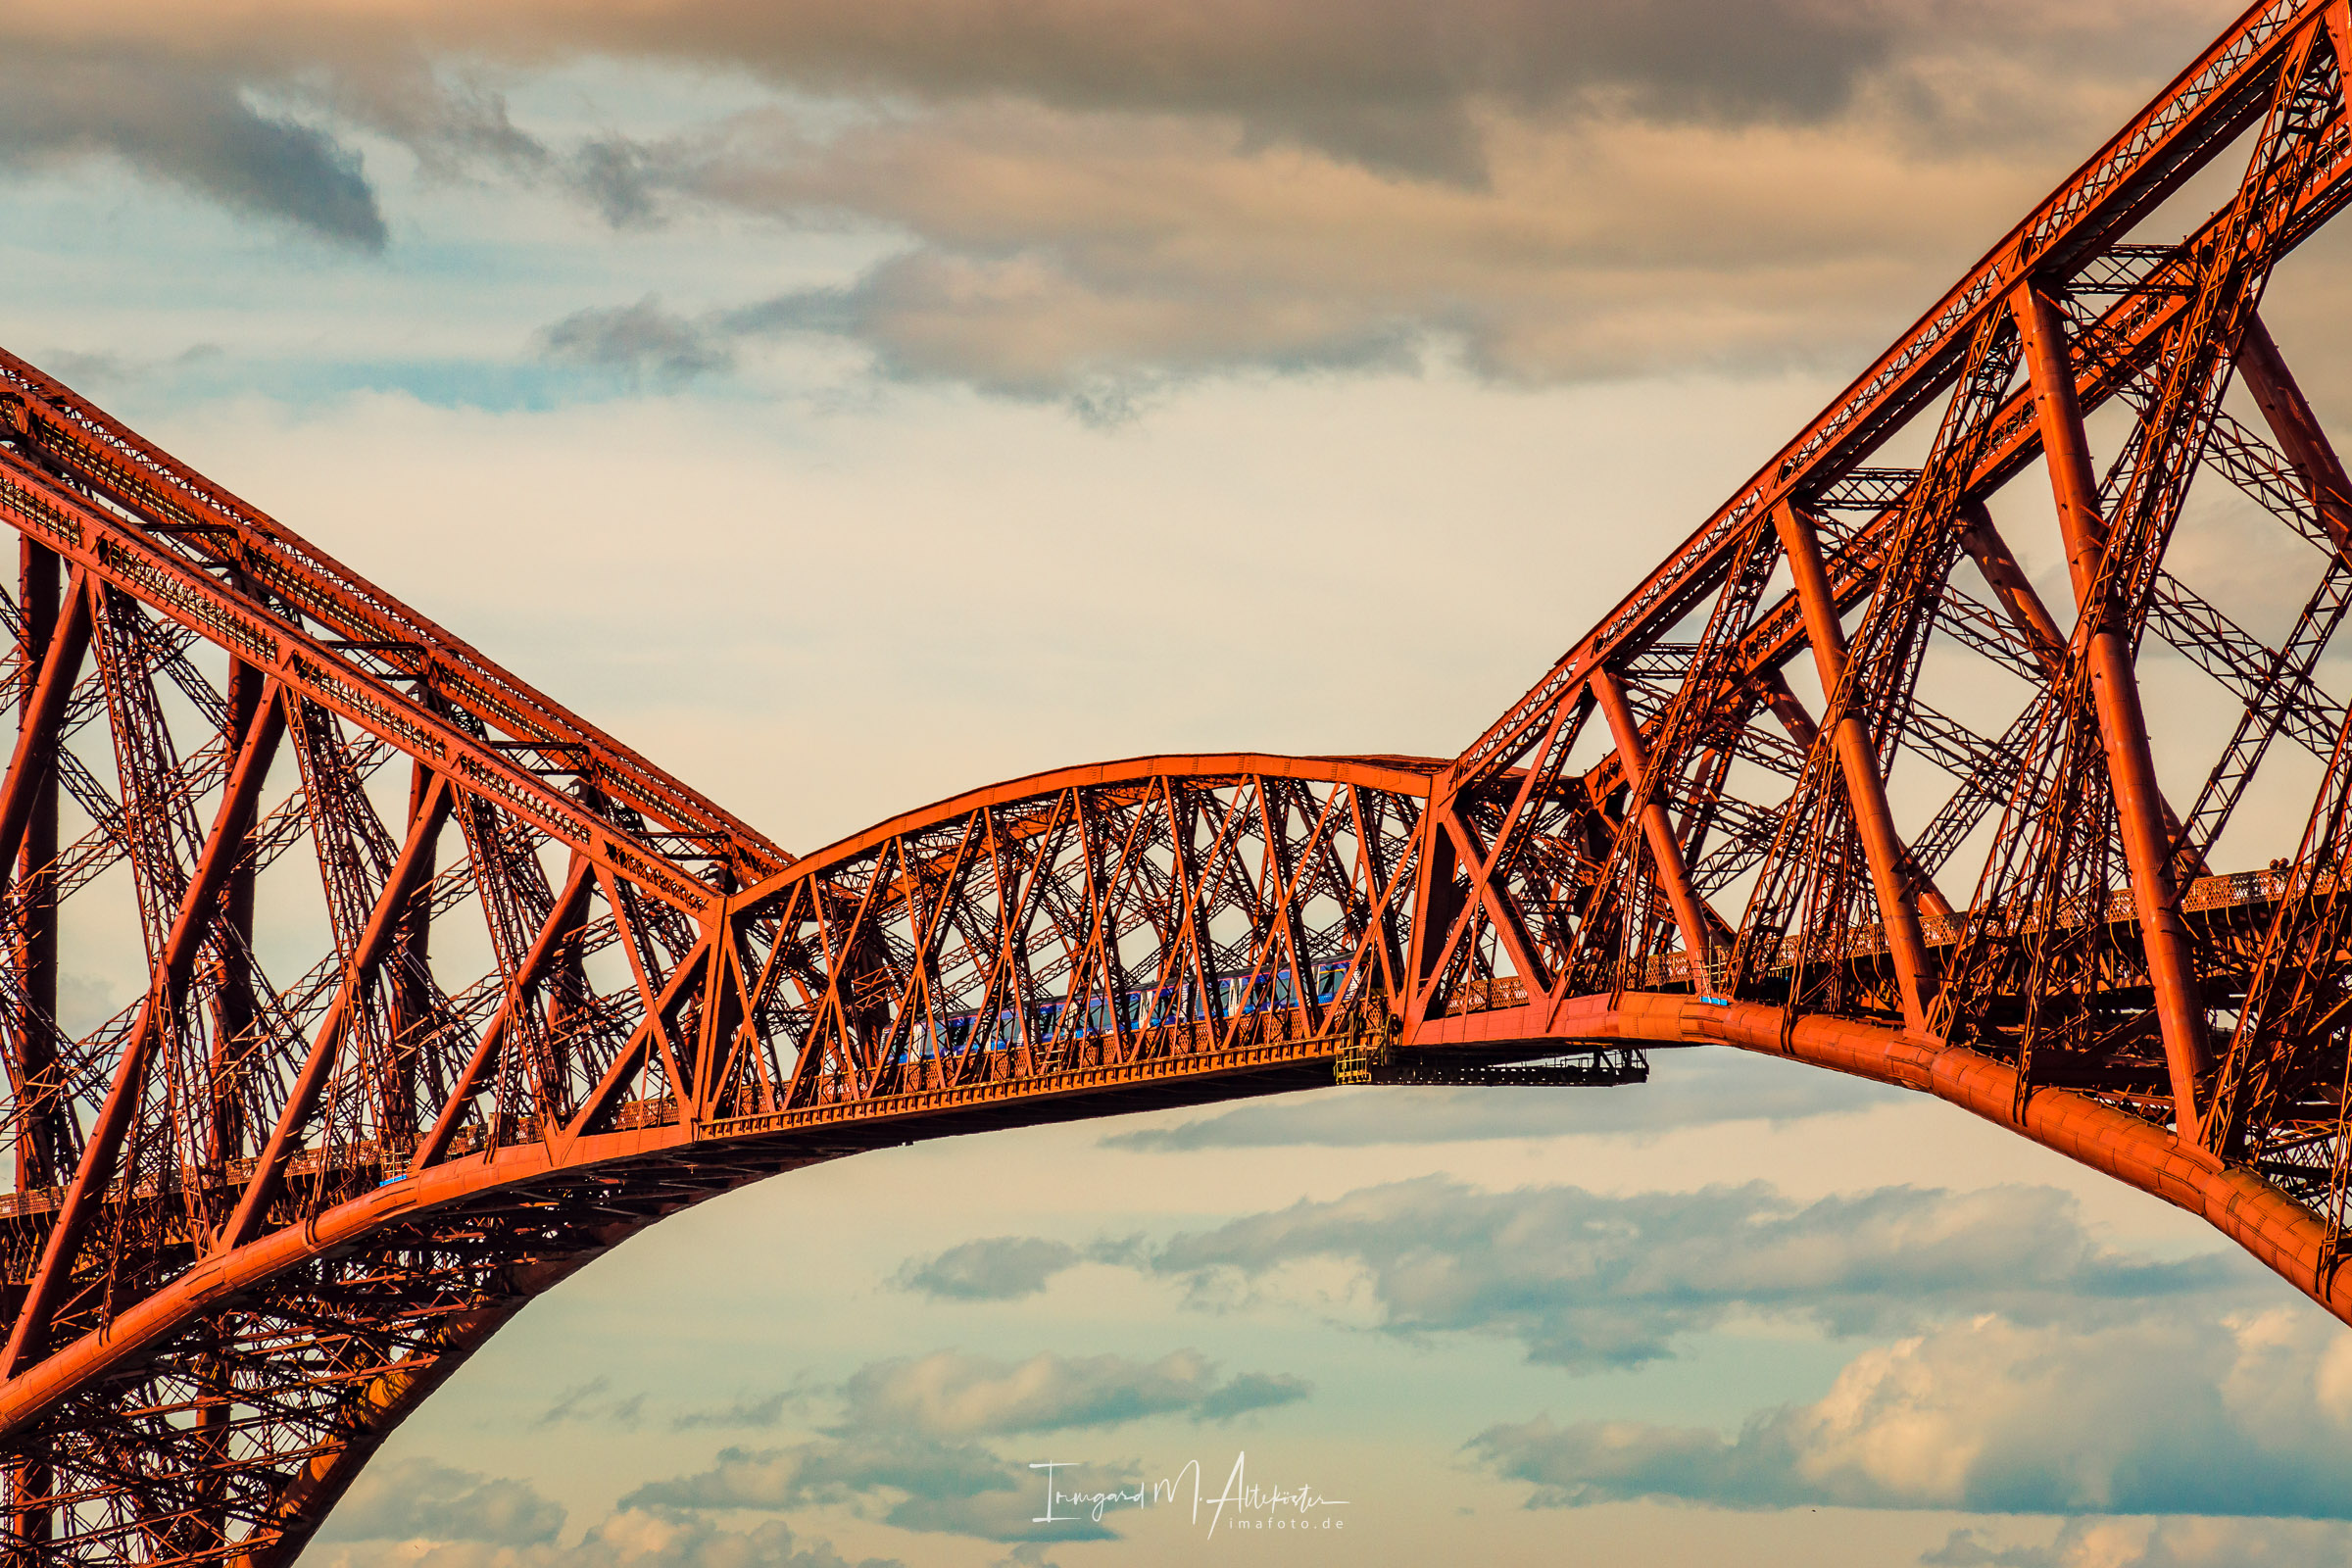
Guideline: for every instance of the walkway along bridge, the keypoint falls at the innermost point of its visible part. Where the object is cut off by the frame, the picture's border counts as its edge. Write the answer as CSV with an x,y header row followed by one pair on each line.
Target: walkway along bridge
x,y
448,991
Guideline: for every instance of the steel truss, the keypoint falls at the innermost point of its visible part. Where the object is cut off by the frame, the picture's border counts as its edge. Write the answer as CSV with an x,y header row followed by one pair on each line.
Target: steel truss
x,y
447,991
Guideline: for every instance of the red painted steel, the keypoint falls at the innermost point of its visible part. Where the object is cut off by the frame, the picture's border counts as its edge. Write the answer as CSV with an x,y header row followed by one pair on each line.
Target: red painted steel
x,y
446,991
1657,829
1858,766
2115,689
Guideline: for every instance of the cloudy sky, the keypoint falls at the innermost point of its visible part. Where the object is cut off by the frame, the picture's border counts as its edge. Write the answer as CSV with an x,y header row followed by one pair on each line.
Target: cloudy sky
x,y
852,401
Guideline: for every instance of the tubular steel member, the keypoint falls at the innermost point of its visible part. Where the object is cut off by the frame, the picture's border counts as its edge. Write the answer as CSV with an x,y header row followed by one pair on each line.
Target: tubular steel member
x,y
2115,688
1690,917
264,1210
1858,762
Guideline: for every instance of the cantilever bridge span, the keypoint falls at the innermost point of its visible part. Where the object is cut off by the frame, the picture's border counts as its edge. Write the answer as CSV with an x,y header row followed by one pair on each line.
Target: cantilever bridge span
x,y
447,991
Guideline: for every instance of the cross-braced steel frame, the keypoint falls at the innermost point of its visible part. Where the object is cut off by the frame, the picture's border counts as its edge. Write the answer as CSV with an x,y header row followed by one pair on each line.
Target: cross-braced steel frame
x,y
446,991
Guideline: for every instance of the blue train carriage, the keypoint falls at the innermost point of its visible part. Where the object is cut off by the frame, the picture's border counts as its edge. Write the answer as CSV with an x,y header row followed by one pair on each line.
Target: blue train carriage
x,y
1152,1008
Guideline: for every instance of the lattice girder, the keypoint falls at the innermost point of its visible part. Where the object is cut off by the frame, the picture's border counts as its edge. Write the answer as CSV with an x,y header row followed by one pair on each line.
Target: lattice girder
x,y
440,990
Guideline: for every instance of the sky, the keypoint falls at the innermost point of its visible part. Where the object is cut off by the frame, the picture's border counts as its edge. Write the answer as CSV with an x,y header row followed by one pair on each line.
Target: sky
x,y
852,401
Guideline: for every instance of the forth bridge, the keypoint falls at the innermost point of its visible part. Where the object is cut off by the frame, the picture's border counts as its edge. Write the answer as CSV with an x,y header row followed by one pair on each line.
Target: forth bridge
x,y
520,992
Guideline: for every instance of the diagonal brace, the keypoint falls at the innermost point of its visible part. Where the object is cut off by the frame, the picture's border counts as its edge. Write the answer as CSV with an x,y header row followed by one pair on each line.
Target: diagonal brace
x,y
193,922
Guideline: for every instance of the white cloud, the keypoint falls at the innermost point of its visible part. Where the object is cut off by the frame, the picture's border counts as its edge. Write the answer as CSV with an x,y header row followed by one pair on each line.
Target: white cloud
x,y
2169,1414
2158,1543
1589,1281
908,1445
912,1482
408,1500
951,1394
632,1537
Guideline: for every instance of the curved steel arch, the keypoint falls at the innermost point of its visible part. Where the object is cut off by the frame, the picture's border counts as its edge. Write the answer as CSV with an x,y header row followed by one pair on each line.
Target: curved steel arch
x,y
831,1007
447,991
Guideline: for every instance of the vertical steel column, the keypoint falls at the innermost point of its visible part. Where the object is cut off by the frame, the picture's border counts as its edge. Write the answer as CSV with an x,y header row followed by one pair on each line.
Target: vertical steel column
x,y
1690,914
408,973
33,767
31,1522
35,924
1858,761
233,993
2123,728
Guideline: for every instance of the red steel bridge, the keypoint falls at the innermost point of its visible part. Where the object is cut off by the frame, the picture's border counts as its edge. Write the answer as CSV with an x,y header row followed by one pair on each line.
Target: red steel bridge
x,y
448,991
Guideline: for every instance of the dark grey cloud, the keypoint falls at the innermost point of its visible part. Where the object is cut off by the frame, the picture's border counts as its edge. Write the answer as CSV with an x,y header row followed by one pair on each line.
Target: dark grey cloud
x,y
642,341
262,123
462,127
922,319
458,124
1391,87
2170,1412
894,313
1331,66
1394,84
1004,1268
997,1268
617,175
1390,81
1103,199
1250,1393
187,124
1099,260
1685,1088
406,1499
750,1411
592,1402
829,1471
1588,1281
